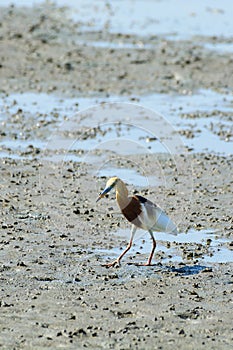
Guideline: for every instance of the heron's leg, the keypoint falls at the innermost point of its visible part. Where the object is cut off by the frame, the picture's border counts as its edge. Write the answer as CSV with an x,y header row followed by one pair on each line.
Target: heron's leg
x,y
117,261
148,263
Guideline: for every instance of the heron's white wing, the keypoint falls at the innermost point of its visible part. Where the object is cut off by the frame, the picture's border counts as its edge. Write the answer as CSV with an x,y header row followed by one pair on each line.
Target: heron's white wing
x,y
154,218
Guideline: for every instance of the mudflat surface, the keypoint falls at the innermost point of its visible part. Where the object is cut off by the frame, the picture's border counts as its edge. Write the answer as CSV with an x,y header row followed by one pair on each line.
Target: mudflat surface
x,y
52,54
54,292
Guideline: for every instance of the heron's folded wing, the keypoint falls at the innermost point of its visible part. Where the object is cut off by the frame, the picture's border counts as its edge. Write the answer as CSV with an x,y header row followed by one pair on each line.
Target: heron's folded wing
x,y
154,218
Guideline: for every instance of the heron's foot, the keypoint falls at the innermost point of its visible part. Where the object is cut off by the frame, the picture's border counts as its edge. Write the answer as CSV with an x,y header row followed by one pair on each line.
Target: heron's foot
x,y
115,263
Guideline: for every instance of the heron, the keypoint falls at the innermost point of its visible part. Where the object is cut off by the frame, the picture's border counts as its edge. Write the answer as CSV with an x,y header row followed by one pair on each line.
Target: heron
x,y
141,213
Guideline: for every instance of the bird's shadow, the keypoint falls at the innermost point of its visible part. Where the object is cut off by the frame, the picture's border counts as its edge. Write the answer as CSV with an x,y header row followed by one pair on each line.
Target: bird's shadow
x,y
189,270
184,270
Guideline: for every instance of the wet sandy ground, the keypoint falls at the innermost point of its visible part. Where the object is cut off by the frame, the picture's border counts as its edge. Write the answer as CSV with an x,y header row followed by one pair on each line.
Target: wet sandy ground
x,y
55,292
51,51
54,237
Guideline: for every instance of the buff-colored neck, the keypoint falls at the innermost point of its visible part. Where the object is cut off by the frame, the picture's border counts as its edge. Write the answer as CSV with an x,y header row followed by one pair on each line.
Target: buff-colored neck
x,y
122,194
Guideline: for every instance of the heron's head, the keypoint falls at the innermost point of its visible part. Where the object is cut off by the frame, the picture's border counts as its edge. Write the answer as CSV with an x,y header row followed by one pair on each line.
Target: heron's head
x,y
111,183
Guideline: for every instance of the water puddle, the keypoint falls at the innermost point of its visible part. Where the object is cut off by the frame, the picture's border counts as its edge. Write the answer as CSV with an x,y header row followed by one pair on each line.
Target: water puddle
x,y
116,45
205,246
22,145
202,122
43,103
164,18
111,136
220,47
130,176
156,17
204,118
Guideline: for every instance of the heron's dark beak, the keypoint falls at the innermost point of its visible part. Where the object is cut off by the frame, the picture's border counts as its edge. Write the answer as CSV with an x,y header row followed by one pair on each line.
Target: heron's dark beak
x,y
103,194
99,198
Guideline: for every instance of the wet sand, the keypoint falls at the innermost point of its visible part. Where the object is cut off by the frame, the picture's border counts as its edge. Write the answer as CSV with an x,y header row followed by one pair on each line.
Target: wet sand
x,y
55,293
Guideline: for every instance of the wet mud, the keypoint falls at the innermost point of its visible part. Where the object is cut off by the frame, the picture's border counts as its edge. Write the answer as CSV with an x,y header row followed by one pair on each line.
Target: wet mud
x,y
55,293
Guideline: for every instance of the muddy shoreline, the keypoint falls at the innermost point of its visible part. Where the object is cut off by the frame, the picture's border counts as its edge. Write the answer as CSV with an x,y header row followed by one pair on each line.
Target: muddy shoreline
x,y
55,293
55,57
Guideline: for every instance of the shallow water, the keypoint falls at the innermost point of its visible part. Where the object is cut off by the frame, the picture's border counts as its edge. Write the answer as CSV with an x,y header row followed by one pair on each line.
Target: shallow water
x,y
215,247
131,176
116,45
163,17
159,17
220,47
206,116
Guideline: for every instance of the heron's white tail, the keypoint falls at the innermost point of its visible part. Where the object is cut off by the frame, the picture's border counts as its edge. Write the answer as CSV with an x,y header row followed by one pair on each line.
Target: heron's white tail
x,y
165,224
